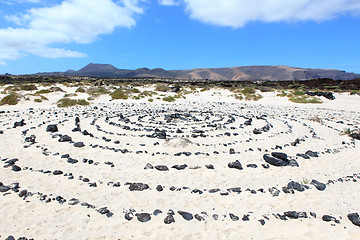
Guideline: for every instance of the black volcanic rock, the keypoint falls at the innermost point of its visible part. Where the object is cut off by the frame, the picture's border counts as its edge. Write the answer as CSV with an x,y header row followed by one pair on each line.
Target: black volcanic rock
x,y
161,168
169,219
187,216
354,218
52,128
143,217
236,165
275,161
327,95
320,186
138,186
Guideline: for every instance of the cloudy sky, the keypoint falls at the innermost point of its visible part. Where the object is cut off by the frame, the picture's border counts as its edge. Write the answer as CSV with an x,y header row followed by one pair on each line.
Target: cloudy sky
x,y
57,35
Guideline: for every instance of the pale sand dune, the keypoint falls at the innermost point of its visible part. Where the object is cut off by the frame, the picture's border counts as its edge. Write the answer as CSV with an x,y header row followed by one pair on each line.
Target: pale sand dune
x,y
222,118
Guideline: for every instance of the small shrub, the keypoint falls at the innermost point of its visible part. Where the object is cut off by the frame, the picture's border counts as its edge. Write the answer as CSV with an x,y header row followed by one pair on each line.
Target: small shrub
x,y
316,119
77,84
11,99
266,89
149,93
298,92
253,97
347,131
239,97
134,90
162,88
82,102
179,96
354,92
204,89
248,90
28,87
150,100
43,91
119,94
305,181
70,95
42,97
136,97
97,91
11,89
38,100
80,90
56,89
67,102
185,92
282,94
305,99
169,99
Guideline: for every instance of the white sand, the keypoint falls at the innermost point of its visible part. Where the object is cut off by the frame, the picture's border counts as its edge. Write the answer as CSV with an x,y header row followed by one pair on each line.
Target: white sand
x,y
33,218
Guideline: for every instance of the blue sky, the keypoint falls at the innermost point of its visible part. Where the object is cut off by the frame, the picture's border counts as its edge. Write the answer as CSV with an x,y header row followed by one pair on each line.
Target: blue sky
x,y
57,35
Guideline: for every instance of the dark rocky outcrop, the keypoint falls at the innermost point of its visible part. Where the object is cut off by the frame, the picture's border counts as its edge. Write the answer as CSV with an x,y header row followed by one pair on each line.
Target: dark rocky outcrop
x,y
327,95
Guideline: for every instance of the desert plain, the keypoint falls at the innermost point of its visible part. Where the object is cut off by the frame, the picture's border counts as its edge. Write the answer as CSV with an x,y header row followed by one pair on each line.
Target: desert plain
x,y
204,164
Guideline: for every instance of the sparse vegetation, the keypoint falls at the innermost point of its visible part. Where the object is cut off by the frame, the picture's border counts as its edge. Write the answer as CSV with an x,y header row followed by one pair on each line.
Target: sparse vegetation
x,y
80,90
239,96
150,100
305,99
169,99
38,100
119,94
316,119
10,89
305,181
43,91
298,92
162,88
134,90
28,87
253,97
56,89
282,94
136,97
248,91
179,96
347,131
11,99
149,93
67,102
70,95
266,89
97,91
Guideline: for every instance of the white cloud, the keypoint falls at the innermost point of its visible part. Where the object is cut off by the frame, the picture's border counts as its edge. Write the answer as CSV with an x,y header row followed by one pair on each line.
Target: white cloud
x,y
72,21
236,13
168,2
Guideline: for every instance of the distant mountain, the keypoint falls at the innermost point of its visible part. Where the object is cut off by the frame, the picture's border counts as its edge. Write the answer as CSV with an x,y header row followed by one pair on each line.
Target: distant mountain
x,y
272,73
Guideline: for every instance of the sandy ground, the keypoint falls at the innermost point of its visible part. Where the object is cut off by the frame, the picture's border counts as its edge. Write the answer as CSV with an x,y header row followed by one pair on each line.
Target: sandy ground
x,y
213,132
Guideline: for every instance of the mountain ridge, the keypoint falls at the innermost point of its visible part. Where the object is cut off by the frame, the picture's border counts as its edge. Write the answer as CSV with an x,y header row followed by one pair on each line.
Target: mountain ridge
x,y
240,73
